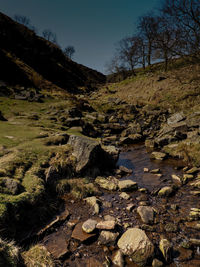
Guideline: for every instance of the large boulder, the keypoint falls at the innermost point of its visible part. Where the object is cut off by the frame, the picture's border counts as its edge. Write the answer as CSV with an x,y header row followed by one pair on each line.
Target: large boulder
x,y
135,243
90,155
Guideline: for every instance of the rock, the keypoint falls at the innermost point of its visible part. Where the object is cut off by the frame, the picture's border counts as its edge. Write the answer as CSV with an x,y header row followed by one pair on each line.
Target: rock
x,y
89,226
146,170
110,183
79,234
146,213
124,196
166,249
155,171
194,214
130,207
127,185
184,254
92,201
112,153
149,143
177,117
171,227
118,259
90,155
158,155
166,191
106,225
9,186
192,170
187,178
130,139
135,244
157,263
109,218
125,170
176,179
107,238
195,241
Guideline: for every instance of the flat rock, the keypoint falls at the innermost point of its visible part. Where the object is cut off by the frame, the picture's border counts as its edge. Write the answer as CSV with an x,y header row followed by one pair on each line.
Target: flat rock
x,y
135,243
127,185
89,226
177,117
110,183
146,213
125,170
79,234
124,195
158,155
106,225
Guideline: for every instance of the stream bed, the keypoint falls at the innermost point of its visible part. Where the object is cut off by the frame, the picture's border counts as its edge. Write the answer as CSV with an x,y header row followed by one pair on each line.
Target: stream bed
x,y
170,219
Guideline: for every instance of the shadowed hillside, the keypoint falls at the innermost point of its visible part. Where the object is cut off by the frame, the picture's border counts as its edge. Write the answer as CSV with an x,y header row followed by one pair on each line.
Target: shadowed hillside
x,y
27,59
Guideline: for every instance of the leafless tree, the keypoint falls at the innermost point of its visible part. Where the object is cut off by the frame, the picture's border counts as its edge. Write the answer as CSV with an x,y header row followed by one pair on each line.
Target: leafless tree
x,y
69,51
146,27
49,36
185,14
24,21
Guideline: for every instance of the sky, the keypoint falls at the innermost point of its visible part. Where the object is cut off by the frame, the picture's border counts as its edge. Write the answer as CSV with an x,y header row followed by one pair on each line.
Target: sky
x,y
93,27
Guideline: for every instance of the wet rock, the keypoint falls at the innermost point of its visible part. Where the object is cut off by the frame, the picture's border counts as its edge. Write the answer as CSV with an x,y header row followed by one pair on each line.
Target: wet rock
x,y
135,243
150,143
176,179
187,178
125,170
166,249
166,191
127,185
158,155
146,170
110,183
106,225
118,259
79,234
107,238
112,153
177,117
157,263
93,201
192,170
146,214
124,196
89,226
155,171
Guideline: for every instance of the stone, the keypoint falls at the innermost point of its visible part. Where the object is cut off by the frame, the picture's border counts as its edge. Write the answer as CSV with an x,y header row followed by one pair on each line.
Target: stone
x,y
187,178
89,226
118,259
112,153
194,214
157,263
166,191
80,235
166,249
92,201
135,244
130,207
146,213
107,238
146,170
155,171
149,143
184,254
177,117
130,139
9,186
109,218
106,225
127,185
176,179
124,195
158,155
110,183
171,227
125,170
192,170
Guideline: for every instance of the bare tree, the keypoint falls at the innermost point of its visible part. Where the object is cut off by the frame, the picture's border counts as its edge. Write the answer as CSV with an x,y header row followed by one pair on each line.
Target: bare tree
x,y
146,27
115,65
185,14
69,51
49,36
166,41
24,21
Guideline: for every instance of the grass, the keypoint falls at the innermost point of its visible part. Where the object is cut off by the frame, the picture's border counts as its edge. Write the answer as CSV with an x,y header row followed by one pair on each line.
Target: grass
x,y
9,254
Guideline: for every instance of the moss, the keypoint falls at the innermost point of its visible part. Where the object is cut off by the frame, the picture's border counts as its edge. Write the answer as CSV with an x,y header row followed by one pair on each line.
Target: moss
x,y
38,256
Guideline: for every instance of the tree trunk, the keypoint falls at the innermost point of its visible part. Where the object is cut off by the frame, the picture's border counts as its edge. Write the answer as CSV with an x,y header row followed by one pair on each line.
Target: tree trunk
x,y
149,54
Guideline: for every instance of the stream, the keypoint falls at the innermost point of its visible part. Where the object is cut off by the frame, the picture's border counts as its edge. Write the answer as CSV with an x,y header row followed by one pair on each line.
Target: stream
x,y
169,221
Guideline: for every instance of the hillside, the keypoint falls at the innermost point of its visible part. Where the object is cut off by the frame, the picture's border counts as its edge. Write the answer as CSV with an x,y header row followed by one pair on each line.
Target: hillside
x,y
27,59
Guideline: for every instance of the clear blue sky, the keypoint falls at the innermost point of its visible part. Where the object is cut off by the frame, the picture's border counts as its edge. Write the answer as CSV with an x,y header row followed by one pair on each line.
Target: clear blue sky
x,y
93,27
